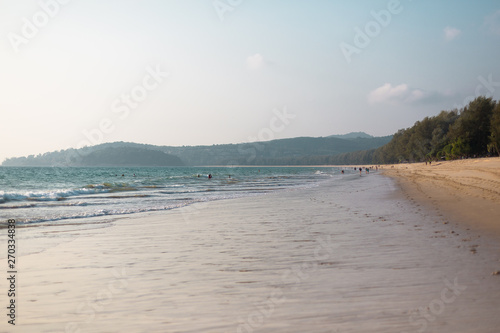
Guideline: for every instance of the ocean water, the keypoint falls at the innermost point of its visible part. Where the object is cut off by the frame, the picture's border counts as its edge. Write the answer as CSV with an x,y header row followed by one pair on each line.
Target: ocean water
x,y
53,195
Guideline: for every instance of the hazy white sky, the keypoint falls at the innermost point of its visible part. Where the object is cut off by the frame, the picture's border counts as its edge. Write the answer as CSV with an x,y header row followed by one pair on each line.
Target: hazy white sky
x,y
186,72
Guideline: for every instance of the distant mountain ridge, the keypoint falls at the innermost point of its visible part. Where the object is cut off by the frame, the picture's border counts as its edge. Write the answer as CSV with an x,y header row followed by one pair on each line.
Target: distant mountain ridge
x,y
352,135
294,151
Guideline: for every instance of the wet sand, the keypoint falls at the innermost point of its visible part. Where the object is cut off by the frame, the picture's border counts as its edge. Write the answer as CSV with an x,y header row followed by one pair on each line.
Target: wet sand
x,y
466,190
350,255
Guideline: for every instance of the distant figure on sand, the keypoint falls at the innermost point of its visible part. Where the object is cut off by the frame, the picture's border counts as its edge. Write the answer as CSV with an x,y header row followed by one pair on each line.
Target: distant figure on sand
x,y
360,171
342,171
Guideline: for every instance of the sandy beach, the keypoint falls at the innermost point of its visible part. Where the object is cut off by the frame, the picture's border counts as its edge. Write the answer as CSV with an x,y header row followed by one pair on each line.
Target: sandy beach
x,y
465,190
349,255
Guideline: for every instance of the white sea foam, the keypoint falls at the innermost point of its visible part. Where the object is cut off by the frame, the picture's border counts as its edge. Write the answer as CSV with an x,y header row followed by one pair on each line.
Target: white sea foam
x,y
49,195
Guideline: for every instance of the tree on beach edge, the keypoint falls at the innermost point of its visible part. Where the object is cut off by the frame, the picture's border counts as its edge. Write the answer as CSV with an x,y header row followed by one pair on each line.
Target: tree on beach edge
x,y
472,131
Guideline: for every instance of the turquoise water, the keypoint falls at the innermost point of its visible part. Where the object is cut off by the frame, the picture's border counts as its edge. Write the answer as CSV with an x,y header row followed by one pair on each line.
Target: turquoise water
x,y
36,195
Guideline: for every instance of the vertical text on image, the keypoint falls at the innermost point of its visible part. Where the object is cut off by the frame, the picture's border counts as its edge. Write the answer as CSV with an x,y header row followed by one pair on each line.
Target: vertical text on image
x,y
11,271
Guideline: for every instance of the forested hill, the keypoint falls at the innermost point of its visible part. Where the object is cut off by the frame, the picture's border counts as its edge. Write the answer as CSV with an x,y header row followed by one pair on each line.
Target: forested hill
x,y
473,131
352,135
129,156
296,151
105,156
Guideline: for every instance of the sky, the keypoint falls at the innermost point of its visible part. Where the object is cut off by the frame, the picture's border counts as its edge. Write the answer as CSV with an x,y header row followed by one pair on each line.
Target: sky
x,y
203,72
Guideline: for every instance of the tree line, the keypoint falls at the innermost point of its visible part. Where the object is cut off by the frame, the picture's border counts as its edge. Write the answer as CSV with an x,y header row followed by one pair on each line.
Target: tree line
x,y
473,131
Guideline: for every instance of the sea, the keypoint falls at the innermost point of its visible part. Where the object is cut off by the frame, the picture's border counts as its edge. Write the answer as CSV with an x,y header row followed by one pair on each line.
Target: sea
x,y
35,196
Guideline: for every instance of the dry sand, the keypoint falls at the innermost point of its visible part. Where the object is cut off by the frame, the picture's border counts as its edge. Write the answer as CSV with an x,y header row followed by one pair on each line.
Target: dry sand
x,y
467,191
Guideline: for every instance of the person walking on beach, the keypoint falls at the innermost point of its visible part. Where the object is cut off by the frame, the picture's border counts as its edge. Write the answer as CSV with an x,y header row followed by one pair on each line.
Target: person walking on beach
x,y
360,171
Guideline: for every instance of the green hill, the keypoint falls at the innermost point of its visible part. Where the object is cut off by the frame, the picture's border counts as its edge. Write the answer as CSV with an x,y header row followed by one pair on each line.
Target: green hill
x,y
103,155
295,151
129,156
352,135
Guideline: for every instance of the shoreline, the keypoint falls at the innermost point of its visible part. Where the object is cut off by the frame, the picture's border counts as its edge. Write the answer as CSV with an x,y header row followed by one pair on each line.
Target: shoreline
x,y
468,191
